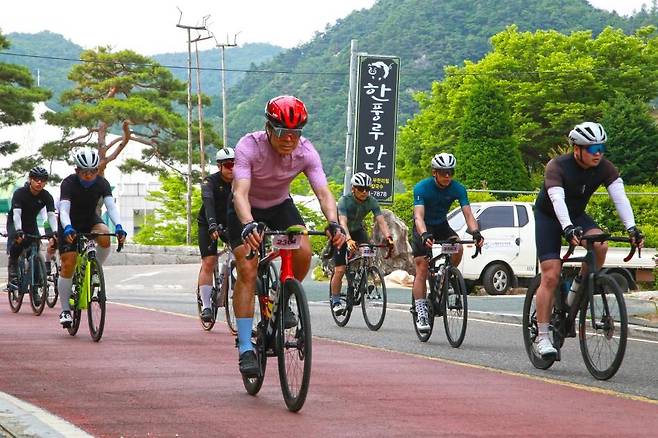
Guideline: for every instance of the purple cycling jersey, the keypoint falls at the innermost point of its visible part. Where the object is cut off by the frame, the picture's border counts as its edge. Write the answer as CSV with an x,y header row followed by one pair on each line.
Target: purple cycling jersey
x,y
271,173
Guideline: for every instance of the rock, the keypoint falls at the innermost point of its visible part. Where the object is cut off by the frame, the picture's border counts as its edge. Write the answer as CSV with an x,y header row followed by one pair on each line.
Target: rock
x,y
402,257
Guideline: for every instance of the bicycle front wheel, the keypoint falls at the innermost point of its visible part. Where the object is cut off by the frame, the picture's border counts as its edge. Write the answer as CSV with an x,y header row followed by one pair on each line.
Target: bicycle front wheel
x,y
294,346
373,301
455,307
530,328
53,293
96,307
38,287
603,328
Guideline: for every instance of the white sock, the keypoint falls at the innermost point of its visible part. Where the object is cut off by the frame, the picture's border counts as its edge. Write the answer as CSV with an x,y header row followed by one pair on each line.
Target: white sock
x,y
64,286
543,329
102,254
205,291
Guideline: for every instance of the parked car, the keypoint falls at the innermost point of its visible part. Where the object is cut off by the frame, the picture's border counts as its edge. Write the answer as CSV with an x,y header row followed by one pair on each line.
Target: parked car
x,y
509,255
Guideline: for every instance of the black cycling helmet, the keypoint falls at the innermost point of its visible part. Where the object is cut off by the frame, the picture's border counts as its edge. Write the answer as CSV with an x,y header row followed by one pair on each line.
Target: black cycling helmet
x,y
38,172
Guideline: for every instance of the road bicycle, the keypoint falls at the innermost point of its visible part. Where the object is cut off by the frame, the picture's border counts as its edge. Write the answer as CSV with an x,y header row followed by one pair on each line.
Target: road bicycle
x,y
448,296
31,277
365,286
599,304
88,290
292,346
53,277
224,278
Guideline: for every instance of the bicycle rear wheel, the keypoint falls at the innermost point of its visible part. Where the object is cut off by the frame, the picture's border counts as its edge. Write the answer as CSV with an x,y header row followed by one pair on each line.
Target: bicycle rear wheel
x,y
253,384
455,307
373,301
75,312
207,326
530,328
294,346
38,286
96,307
423,336
603,329
346,297
53,292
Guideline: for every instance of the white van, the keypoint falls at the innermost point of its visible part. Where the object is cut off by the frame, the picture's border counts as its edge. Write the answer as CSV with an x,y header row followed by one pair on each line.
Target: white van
x,y
509,255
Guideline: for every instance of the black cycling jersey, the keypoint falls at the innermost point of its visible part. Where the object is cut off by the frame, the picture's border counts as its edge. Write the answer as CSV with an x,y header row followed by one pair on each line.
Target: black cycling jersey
x,y
30,206
579,184
214,194
85,202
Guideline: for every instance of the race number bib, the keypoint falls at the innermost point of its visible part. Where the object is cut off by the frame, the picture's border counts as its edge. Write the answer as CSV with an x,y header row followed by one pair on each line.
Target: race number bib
x,y
285,241
366,251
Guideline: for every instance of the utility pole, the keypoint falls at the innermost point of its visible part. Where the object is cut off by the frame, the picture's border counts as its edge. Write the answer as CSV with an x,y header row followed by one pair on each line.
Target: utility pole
x,y
202,148
224,109
188,234
351,108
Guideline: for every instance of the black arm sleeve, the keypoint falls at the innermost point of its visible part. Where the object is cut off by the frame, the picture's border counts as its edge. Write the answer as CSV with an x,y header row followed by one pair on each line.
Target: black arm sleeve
x,y
208,198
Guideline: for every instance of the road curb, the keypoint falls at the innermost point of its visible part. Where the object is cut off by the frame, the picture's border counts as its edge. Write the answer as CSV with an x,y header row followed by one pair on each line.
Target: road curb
x,y
634,330
22,419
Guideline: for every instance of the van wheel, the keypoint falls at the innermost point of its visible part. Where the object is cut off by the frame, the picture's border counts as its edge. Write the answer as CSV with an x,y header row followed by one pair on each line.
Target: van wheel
x,y
621,280
497,279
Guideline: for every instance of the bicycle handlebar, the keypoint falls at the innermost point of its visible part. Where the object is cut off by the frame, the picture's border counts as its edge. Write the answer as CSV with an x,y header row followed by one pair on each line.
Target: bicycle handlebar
x,y
603,237
292,231
119,245
379,245
478,249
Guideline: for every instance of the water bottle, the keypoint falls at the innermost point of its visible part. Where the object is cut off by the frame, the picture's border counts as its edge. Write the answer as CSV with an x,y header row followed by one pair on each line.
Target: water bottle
x,y
575,285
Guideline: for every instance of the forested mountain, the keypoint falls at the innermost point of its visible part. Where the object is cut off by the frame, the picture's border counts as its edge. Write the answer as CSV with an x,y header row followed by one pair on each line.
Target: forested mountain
x,y
53,72
426,34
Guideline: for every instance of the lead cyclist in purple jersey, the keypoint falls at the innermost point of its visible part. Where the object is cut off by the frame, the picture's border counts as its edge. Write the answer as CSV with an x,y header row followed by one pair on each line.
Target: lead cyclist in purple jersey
x,y
266,162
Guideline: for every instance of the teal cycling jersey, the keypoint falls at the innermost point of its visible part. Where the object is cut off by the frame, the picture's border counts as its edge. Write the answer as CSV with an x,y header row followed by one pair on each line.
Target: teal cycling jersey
x,y
355,211
437,201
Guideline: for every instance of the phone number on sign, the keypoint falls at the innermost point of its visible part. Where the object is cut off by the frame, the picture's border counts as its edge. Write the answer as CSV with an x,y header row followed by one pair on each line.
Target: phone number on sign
x,y
379,194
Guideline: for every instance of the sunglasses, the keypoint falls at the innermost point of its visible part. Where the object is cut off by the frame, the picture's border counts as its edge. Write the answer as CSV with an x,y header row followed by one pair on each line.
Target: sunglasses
x,y
445,172
87,172
595,148
362,188
40,180
228,164
284,132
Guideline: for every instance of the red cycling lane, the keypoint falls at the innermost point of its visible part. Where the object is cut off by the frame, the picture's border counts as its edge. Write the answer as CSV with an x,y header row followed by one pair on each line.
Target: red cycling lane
x,y
159,375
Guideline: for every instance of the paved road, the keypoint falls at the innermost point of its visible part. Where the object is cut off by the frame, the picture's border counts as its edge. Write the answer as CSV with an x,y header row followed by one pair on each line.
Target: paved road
x,y
158,373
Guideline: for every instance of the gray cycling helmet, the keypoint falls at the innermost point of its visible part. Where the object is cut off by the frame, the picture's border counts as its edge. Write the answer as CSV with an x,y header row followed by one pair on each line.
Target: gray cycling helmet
x,y
587,133
38,172
361,179
225,154
444,161
86,158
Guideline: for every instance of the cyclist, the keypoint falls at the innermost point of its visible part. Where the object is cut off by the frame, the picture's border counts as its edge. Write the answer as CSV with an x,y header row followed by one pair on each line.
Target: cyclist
x,y
352,209
26,204
432,199
266,162
80,196
215,191
569,182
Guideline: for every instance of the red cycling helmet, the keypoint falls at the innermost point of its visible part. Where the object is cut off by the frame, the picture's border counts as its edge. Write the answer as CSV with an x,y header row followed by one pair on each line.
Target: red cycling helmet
x,y
286,112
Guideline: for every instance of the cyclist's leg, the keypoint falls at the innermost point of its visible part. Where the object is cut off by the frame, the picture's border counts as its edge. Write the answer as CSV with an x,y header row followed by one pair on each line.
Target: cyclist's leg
x,y
103,248
13,252
65,281
418,250
339,270
600,248
208,251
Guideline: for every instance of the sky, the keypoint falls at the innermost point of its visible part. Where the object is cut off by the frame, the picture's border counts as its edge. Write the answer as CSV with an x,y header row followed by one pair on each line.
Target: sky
x,y
149,26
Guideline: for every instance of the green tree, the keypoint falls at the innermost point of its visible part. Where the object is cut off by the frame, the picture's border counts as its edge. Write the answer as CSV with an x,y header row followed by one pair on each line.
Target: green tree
x,y
167,225
632,139
487,154
128,94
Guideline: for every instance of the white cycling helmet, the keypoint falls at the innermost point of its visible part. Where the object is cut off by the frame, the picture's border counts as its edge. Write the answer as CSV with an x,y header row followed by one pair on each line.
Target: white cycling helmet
x,y
444,161
86,158
225,154
587,133
361,179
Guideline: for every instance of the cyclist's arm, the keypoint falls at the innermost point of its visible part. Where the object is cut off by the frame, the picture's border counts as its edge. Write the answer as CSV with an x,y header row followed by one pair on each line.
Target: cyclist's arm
x,y
65,212
383,227
241,200
16,212
343,223
419,219
327,203
470,219
208,198
52,221
622,204
112,209
557,196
